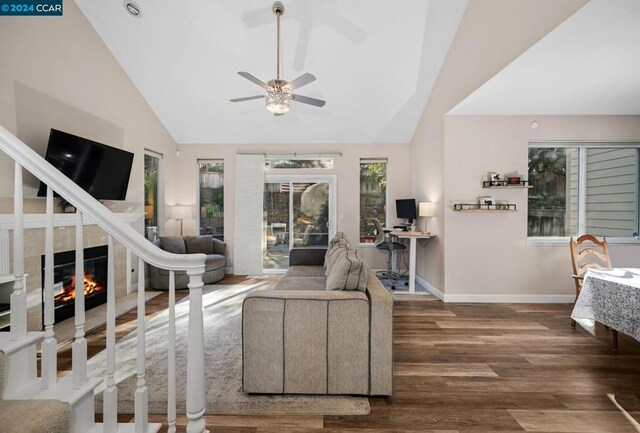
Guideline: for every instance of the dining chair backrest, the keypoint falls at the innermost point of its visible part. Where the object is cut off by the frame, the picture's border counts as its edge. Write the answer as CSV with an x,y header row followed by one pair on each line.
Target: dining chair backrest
x,y
587,252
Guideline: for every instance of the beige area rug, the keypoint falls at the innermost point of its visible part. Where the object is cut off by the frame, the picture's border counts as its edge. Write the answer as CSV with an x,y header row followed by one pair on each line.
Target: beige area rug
x,y
223,364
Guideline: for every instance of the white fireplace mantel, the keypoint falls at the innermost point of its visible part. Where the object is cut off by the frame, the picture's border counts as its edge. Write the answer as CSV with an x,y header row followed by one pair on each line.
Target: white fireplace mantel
x,y
39,220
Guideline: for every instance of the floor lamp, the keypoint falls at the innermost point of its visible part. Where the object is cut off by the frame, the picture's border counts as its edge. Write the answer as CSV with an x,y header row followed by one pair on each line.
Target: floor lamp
x,y
180,212
425,209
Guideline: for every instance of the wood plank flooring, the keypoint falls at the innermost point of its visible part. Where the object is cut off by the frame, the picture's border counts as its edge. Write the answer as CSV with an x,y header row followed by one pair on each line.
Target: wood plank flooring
x,y
481,368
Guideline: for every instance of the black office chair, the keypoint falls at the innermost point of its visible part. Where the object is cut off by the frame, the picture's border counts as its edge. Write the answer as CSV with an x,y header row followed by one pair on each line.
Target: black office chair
x,y
385,243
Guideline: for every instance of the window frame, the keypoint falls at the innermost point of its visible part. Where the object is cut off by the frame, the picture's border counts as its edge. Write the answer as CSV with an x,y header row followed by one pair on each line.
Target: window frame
x,y
386,196
582,189
160,192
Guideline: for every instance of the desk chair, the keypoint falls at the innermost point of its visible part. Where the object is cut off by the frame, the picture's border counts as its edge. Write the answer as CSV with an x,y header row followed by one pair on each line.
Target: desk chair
x,y
385,243
587,252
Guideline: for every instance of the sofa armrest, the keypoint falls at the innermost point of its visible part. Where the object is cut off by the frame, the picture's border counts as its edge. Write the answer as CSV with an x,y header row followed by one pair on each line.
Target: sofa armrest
x,y
307,256
219,247
381,337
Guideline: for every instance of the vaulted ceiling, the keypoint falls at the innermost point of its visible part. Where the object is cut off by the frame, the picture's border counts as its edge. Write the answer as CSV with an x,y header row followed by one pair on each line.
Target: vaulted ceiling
x,y
588,65
375,62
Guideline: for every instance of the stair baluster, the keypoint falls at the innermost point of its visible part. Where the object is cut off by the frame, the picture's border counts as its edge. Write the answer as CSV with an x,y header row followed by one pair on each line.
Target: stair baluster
x,y
49,346
141,396
195,355
171,356
19,294
79,346
110,396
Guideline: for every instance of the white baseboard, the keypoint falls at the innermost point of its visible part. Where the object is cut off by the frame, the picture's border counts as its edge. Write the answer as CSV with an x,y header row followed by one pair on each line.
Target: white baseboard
x,y
435,292
496,299
509,298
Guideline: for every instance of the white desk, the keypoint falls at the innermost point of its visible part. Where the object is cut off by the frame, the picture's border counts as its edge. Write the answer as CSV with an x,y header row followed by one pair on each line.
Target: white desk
x,y
413,241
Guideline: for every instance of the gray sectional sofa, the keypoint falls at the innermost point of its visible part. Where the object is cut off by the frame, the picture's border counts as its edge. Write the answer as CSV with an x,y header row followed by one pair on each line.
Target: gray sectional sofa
x,y
214,267
300,338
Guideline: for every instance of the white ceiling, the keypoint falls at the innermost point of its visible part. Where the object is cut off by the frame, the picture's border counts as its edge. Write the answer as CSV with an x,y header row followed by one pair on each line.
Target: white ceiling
x,y
375,66
589,65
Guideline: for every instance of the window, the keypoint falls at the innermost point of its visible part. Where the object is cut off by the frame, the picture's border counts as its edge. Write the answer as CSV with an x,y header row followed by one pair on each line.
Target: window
x,y
373,197
583,188
151,194
326,163
211,196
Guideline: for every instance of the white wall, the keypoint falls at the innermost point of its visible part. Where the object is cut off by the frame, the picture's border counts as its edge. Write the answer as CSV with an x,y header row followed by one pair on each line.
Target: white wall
x,y
492,33
486,253
347,169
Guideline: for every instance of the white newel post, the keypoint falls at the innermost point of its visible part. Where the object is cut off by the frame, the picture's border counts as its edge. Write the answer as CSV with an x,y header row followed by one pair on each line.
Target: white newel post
x,y
79,346
110,395
171,355
49,346
195,356
141,396
19,294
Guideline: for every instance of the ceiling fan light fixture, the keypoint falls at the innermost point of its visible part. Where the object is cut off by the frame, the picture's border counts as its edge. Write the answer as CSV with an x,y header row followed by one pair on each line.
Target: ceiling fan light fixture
x,y
278,99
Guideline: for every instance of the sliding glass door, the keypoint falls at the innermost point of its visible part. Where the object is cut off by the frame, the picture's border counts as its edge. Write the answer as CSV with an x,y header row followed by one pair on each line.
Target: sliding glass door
x,y
298,212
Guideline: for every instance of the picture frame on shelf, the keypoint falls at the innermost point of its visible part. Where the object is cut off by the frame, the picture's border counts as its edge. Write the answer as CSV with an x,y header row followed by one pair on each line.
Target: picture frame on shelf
x,y
486,201
495,179
514,180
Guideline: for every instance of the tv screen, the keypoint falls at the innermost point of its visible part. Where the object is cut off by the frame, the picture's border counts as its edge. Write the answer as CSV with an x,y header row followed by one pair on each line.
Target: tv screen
x,y
103,171
406,208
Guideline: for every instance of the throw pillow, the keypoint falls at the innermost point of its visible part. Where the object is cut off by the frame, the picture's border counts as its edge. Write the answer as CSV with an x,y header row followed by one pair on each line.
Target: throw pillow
x,y
339,243
332,255
173,244
199,244
349,273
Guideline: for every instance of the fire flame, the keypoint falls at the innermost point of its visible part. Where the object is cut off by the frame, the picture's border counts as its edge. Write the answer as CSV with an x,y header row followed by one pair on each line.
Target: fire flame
x,y
69,291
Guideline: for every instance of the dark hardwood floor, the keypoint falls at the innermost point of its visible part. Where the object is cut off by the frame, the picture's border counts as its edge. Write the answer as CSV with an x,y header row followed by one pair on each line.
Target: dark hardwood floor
x,y
471,368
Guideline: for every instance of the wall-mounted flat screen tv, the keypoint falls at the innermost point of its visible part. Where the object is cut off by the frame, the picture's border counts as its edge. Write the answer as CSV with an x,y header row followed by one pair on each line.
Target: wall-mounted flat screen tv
x,y
103,171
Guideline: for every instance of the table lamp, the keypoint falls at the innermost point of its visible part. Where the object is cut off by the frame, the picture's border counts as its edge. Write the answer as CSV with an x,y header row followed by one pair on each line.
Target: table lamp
x,y
425,209
181,212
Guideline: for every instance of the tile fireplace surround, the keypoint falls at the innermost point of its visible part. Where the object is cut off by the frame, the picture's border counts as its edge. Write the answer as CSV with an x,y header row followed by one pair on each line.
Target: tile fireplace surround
x,y
64,240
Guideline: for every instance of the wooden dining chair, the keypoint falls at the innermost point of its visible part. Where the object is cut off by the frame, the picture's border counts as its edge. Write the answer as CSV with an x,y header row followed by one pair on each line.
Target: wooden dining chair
x,y
587,252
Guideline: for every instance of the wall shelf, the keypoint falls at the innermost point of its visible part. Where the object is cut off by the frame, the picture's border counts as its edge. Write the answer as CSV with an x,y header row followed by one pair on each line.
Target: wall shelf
x,y
504,207
505,184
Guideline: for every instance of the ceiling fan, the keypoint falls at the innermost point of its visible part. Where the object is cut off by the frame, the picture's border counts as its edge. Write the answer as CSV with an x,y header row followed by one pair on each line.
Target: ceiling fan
x,y
279,92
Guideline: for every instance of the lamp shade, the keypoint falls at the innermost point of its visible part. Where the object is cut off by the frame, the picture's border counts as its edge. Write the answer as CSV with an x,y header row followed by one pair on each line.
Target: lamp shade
x,y
180,212
425,209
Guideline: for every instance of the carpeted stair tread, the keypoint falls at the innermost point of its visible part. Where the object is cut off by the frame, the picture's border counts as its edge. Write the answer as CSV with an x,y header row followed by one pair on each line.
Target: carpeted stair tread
x,y
31,416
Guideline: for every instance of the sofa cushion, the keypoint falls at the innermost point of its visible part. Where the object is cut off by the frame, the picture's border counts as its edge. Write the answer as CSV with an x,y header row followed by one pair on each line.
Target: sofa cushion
x,y
199,244
305,271
333,254
173,244
214,261
339,238
300,283
349,273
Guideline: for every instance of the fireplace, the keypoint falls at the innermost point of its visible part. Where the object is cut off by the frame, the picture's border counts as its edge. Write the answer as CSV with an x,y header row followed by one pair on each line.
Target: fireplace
x,y
64,280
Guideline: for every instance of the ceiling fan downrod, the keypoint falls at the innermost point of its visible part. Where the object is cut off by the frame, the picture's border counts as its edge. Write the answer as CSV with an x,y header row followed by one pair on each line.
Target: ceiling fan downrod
x,y
278,10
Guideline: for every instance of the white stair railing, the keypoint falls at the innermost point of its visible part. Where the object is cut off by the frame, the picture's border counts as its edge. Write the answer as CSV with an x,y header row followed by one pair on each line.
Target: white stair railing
x,y
86,205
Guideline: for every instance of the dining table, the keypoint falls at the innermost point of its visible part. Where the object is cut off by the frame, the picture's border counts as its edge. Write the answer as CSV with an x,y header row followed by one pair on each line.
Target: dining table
x,y
610,297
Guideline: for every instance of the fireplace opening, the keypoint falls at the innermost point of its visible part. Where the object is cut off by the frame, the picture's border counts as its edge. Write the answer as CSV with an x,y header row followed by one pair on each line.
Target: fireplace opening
x,y
64,281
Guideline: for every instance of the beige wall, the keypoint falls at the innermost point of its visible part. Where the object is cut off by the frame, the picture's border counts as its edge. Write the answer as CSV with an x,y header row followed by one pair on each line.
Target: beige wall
x,y
55,72
347,170
492,33
486,253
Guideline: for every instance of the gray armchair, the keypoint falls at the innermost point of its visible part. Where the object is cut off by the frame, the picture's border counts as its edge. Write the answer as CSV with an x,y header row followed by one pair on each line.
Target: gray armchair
x,y
214,267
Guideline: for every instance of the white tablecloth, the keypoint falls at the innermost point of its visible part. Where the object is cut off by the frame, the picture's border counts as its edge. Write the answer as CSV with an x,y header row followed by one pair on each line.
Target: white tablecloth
x,y
611,297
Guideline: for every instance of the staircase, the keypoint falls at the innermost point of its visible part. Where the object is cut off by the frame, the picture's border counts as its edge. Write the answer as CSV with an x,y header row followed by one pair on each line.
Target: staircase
x,y
66,404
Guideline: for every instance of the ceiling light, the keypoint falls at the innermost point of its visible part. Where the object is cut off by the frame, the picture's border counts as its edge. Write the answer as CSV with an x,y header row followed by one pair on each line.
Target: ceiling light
x,y
278,99
132,8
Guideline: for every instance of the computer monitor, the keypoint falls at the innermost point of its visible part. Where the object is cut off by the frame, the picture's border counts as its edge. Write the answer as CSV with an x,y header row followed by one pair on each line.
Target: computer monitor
x,y
406,208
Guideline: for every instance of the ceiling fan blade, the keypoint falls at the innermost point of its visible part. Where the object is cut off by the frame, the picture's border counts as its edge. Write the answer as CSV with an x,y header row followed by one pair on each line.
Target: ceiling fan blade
x,y
250,77
302,80
246,98
306,100
278,114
